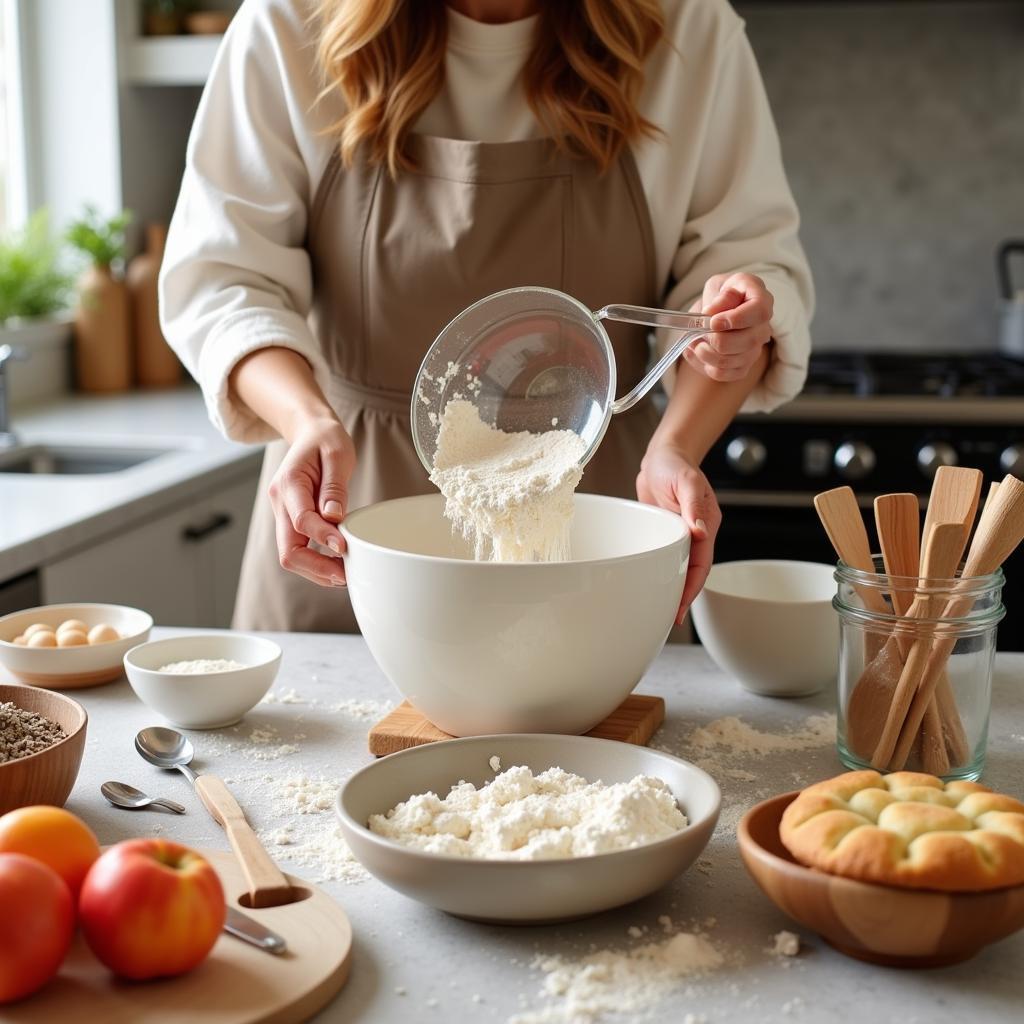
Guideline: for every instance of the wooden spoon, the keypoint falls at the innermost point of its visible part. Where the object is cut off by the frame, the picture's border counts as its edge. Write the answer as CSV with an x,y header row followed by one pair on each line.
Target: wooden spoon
x,y
999,532
942,549
897,517
868,706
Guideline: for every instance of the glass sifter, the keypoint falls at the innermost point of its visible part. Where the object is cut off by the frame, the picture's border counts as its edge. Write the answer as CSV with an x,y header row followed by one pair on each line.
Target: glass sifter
x,y
536,359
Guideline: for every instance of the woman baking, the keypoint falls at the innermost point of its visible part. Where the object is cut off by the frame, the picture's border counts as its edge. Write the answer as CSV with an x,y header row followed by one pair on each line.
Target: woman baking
x,y
362,170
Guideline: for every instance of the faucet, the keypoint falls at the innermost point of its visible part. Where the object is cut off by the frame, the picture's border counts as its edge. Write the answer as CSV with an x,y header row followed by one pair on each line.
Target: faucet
x,y
8,353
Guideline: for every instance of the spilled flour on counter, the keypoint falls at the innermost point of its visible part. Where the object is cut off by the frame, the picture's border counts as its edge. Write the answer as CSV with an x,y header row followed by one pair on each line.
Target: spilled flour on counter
x,y
618,983
509,494
307,841
522,816
735,737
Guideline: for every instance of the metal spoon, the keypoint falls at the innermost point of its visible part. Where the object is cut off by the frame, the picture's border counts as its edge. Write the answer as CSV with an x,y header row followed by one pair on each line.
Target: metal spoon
x,y
120,794
167,748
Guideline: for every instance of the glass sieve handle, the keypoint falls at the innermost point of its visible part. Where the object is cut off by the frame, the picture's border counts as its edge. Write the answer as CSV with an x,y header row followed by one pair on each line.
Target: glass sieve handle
x,y
693,326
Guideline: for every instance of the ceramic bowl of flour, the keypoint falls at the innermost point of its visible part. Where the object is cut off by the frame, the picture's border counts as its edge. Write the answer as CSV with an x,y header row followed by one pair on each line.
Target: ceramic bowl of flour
x,y
203,681
524,891
494,647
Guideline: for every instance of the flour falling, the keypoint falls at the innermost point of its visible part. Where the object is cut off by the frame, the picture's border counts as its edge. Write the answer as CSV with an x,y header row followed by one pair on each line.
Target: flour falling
x,y
510,494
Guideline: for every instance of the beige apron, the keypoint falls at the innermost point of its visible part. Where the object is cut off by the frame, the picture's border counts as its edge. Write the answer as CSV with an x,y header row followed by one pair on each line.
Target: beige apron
x,y
394,261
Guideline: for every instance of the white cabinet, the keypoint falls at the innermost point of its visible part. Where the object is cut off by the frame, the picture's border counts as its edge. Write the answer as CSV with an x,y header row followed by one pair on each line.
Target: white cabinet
x,y
181,567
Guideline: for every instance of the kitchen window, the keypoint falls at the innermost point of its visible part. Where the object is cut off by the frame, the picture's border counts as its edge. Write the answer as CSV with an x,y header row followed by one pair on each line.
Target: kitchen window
x,y
13,199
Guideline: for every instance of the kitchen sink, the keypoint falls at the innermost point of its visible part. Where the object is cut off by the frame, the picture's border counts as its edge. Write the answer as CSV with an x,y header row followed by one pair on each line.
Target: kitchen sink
x,y
68,460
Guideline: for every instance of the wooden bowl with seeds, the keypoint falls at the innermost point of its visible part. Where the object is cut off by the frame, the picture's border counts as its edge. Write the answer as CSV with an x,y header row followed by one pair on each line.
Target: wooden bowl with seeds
x,y
42,737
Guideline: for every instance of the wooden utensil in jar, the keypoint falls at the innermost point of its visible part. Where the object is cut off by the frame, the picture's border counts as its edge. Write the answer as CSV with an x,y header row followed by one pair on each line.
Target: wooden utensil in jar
x,y
1000,531
943,546
897,518
956,491
954,498
869,702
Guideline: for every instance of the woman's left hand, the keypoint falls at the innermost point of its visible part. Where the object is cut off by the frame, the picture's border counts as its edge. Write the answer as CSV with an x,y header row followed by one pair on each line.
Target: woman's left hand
x,y
741,309
671,481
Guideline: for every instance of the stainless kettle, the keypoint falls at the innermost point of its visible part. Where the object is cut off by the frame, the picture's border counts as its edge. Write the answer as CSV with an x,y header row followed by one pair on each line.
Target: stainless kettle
x,y
1011,301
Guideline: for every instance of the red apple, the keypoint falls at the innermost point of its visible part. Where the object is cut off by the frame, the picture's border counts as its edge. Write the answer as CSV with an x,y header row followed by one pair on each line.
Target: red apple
x,y
151,908
37,921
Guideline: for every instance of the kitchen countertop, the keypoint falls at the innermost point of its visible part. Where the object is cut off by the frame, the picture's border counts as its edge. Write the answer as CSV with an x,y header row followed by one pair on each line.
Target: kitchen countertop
x,y
415,963
45,517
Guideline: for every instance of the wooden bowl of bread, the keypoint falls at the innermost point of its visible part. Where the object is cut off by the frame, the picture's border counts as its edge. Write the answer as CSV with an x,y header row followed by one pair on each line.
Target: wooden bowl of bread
x,y
902,870
35,770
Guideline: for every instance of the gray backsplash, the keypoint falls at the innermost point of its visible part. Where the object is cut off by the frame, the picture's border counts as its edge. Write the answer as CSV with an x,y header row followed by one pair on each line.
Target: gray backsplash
x,y
902,128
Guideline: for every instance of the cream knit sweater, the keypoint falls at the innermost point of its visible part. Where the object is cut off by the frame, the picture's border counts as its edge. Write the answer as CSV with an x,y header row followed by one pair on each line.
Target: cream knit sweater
x,y
236,277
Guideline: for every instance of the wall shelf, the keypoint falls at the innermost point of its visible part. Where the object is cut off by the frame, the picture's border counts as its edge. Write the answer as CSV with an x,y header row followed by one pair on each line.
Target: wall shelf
x,y
170,60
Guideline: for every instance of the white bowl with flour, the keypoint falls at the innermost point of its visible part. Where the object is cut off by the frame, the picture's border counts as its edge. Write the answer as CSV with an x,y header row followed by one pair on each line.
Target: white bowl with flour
x,y
497,647
556,886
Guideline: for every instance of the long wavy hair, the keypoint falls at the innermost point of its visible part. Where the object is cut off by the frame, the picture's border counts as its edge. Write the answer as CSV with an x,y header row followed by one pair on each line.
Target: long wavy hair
x,y
582,78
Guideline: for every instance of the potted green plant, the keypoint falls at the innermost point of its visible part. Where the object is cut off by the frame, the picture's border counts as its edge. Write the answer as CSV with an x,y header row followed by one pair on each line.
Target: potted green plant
x,y
35,291
102,333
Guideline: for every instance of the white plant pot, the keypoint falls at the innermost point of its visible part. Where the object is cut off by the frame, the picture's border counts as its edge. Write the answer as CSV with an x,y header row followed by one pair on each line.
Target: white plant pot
x,y
46,373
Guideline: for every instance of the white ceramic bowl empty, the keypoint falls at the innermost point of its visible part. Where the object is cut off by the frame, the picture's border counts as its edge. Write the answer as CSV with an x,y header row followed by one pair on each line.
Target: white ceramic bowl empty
x,y
493,647
203,701
524,892
72,668
771,625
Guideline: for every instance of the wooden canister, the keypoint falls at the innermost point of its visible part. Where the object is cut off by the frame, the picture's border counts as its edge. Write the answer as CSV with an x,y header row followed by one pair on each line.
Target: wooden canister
x,y
156,365
102,335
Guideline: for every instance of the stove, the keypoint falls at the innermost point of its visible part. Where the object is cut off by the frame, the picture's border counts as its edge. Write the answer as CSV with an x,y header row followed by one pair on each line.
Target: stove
x,y
880,422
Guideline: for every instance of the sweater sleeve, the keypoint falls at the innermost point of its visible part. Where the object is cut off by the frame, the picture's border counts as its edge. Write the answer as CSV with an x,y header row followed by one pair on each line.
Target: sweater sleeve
x,y
742,218
236,276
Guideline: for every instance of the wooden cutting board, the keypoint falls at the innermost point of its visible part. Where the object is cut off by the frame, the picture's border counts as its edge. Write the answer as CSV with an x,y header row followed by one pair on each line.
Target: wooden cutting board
x,y
236,984
635,720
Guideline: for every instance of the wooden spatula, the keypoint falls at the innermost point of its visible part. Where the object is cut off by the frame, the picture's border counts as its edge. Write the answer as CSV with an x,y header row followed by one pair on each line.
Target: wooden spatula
x,y
1000,530
955,494
943,546
868,705
897,517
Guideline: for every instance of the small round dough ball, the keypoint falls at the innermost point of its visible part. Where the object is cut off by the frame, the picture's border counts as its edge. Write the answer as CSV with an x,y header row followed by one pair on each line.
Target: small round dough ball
x,y
37,627
72,638
43,639
20,641
103,633
72,625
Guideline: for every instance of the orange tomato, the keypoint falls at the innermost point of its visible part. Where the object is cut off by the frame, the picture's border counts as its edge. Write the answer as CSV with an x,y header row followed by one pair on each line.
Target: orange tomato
x,y
55,837
36,925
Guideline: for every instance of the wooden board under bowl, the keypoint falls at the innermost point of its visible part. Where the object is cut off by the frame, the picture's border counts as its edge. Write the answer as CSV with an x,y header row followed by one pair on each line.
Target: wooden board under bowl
x,y
635,720
236,984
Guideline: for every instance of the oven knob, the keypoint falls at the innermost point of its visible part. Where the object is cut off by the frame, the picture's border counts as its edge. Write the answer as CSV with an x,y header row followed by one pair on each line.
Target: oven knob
x,y
854,460
931,456
1012,460
746,455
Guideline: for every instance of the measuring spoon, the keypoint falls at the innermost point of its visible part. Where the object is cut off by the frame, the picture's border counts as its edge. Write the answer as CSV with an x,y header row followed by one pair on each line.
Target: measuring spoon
x,y
120,794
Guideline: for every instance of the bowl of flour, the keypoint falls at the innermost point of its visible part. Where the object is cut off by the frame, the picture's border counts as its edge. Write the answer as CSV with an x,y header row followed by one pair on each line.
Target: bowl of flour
x,y
484,646
203,681
528,828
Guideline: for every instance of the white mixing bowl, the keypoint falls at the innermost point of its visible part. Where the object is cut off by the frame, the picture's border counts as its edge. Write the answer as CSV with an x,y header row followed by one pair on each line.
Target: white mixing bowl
x,y
491,647
771,625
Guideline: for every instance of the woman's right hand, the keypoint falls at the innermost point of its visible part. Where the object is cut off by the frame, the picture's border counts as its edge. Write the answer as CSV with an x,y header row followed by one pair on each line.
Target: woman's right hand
x,y
309,494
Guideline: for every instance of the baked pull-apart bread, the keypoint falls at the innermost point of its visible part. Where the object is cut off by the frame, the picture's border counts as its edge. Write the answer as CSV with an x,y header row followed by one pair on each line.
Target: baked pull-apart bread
x,y
908,829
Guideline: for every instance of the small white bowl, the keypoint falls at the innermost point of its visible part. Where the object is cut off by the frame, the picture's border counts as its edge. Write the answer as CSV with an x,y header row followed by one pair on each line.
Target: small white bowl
x,y
524,892
72,668
208,700
771,625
